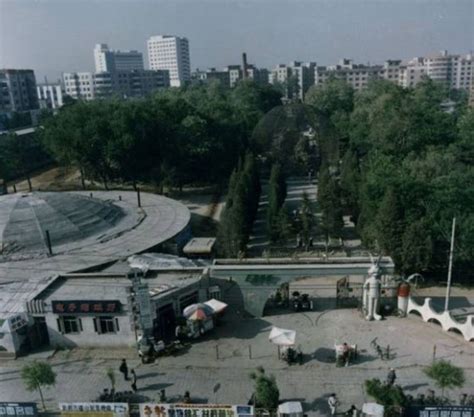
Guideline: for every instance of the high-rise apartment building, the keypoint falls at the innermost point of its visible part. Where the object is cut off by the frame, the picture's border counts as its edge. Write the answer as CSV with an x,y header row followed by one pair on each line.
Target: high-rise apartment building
x,y
170,53
17,90
109,60
125,84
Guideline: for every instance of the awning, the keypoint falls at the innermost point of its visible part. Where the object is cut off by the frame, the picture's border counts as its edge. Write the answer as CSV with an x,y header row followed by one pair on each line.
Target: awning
x,y
282,337
216,305
291,407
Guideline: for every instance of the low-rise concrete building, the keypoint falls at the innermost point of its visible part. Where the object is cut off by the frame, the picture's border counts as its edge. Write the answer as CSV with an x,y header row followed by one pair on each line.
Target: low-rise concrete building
x,y
136,83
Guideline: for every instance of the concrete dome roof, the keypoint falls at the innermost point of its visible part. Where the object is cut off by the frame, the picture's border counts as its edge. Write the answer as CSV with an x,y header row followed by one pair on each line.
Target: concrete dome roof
x,y
25,218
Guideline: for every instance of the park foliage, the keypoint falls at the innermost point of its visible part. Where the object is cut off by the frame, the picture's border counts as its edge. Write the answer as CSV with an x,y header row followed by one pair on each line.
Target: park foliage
x,y
406,170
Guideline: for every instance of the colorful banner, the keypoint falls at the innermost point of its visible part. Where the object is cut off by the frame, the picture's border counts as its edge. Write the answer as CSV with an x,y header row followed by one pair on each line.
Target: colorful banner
x,y
440,411
195,410
18,409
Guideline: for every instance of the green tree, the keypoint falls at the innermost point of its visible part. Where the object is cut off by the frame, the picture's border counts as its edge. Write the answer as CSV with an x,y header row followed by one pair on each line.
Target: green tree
x,y
389,223
386,395
266,392
38,375
329,199
350,182
446,375
417,247
276,198
334,100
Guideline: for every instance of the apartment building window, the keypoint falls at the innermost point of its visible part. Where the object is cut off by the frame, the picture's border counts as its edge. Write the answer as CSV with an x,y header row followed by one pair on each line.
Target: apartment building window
x,y
69,325
106,325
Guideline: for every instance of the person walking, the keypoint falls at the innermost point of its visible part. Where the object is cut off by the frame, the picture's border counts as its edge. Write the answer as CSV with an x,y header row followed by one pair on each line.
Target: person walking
x,y
333,403
134,380
124,369
391,377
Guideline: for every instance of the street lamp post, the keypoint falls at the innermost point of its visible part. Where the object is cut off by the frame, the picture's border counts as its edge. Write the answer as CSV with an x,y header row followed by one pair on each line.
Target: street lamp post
x,y
448,288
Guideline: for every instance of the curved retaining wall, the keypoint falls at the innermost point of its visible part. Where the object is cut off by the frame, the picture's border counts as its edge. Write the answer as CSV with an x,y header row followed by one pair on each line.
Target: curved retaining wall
x,y
447,322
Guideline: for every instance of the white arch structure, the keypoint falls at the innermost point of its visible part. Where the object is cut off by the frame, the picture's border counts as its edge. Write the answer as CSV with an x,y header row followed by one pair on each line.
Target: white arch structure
x,y
447,322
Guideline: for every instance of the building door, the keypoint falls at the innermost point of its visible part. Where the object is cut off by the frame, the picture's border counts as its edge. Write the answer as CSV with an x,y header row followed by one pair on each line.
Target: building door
x,y
39,336
165,323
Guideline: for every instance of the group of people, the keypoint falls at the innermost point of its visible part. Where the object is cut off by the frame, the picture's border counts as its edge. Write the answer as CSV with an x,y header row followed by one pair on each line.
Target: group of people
x,y
123,368
333,401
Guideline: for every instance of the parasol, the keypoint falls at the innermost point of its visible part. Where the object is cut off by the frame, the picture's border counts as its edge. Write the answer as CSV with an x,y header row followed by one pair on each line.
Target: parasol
x,y
282,337
198,312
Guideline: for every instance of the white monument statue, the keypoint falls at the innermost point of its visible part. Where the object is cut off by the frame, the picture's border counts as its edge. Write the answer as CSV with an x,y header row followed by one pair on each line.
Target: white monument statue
x,y
371,297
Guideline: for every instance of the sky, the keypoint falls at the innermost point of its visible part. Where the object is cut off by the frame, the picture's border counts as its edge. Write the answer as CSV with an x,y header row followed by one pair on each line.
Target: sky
x,y
55,36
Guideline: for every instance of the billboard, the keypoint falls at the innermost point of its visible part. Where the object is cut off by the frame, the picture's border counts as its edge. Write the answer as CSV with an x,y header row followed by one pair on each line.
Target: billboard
x,y
18,409
195,410
87,307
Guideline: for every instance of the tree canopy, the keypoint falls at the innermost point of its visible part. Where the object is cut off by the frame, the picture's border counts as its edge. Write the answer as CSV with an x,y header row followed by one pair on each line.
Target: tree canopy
x,y
406,170
176,136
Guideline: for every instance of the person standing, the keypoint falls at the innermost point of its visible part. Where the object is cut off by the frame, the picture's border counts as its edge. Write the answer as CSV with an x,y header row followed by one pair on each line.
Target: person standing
x,y
134,380
391,377
124,369
333,403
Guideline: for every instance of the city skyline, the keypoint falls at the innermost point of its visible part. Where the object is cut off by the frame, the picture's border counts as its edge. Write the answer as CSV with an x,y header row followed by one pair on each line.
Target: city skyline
x,y
50,43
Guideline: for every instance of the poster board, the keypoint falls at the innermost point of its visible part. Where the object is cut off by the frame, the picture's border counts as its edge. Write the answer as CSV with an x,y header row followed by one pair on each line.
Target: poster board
x,y
94,409
11,409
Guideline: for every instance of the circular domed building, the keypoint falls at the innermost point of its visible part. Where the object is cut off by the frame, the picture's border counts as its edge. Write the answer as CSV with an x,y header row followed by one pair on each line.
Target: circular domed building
x,y
45,233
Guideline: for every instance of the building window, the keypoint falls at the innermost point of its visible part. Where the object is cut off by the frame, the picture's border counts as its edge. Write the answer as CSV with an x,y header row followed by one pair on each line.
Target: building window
x,y
69,325
106,324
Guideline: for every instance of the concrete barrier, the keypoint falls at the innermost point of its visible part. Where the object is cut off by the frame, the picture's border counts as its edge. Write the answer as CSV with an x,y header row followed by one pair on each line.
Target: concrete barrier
x,y
444,319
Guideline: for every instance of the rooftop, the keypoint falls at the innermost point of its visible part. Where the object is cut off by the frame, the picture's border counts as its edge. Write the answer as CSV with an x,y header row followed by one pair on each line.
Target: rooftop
x,y
137,230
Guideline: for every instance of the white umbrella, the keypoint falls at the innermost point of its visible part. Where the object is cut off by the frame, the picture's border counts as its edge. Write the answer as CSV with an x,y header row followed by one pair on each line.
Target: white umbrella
x,y
282,337
216,305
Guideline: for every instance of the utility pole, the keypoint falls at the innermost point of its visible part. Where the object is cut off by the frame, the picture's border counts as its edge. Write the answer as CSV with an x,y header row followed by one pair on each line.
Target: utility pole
x,y
448,289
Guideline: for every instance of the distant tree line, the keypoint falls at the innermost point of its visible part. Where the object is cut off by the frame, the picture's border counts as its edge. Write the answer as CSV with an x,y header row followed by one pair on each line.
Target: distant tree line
x,y
240,208
175,137
406,170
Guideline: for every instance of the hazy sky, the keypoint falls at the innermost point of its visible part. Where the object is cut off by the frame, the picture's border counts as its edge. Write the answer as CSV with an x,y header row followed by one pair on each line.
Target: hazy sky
x,y
51,36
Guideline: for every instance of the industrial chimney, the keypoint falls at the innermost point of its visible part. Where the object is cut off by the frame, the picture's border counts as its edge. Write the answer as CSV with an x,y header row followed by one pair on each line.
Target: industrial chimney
x,y
244,66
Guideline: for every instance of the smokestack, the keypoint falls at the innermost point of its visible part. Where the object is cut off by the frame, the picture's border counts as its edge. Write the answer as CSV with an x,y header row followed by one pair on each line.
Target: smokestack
x,y
244,69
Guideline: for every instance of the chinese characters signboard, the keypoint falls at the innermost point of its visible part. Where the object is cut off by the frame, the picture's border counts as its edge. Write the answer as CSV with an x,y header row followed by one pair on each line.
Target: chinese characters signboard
x,y
18,409
195,410
94,409
143,298
87,307
441,411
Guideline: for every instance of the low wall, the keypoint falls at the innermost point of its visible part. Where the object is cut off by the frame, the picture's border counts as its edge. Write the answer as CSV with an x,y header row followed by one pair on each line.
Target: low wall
x,y
444,319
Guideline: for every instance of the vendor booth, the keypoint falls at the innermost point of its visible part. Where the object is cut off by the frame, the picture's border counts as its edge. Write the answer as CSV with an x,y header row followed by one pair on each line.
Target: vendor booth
x,y
290,409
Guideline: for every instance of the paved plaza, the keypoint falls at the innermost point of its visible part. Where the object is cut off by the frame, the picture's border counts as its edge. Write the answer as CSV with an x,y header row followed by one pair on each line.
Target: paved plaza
x,y
216,368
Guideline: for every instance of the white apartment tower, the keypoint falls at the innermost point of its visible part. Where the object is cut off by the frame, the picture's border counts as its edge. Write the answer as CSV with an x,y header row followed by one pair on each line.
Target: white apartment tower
x,y
170,53
108,60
